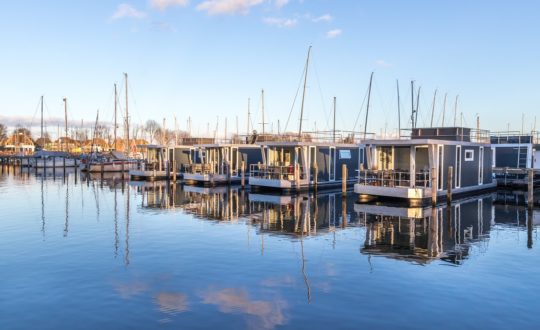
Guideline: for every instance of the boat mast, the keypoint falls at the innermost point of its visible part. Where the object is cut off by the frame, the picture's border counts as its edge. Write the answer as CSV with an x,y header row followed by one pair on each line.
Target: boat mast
x,y
433,107
42,140
444,109
367,107
417,105
455,110
398,109
249,117
115,125
262,100
65,121
127,116
334,131
412,104
304,94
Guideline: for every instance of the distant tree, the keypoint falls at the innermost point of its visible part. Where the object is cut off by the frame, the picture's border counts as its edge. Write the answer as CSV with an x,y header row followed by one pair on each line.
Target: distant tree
x,y
22,130
3,131
152,128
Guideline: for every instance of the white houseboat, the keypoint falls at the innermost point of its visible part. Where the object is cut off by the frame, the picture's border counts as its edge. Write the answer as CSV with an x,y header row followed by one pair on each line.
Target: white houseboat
x,y
214,164
405,169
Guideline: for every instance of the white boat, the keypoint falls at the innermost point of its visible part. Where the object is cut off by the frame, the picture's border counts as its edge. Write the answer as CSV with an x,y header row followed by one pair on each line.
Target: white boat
x,y
112,162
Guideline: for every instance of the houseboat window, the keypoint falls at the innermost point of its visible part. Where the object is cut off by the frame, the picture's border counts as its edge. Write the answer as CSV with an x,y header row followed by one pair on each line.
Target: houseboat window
x,y
481,166
469,155
458,167
440,164
344,154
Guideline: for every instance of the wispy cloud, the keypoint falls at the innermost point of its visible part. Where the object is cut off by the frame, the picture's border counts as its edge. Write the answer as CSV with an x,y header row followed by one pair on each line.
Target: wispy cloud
x,y
228,7
280,3
333,33
163,26
323,18
125,10
280,22
383,64
164,4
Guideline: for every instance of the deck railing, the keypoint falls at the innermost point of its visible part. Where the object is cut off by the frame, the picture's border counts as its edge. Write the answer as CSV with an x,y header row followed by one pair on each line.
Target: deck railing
x,y
392,178
213,168
275,172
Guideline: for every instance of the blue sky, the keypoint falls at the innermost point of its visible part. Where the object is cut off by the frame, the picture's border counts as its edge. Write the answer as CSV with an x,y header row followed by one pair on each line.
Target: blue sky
x,y
204,59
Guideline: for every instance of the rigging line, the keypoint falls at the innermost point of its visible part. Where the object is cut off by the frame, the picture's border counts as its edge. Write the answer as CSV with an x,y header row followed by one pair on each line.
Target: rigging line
x,y
360,112
34,116
295,97
326,115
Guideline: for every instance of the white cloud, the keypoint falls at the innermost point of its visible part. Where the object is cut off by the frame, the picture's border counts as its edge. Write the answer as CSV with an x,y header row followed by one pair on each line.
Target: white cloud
x,y
230,7
124,10
280,3
333,33
163,4
323,18
280,22
383,64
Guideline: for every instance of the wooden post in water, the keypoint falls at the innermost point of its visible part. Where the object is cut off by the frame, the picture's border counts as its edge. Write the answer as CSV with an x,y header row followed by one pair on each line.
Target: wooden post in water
x,y
297,175
315,176
167,171
530,190
449,185
433,186
344,179
243,178
174,170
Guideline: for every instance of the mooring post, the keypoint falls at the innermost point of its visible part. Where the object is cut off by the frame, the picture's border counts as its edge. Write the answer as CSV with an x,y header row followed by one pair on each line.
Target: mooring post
x,y
243,178
297,175
344,179
530,194
315,176
449,185
102,167
174,170
167,171
433,186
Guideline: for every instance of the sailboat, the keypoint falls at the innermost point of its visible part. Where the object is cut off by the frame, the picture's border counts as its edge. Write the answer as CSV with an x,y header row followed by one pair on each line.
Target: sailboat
x,y
54,159
113,161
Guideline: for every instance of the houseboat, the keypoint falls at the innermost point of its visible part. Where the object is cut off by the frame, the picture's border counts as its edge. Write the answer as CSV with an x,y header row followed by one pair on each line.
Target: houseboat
x,y
514,150
407,168
301,166
214,164
154,164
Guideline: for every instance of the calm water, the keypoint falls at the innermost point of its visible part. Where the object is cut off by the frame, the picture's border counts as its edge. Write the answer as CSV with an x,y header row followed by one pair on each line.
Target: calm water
x,y
87,254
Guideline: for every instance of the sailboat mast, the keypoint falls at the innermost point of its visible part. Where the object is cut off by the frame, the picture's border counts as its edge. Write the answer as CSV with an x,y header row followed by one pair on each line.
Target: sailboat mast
x,y
455,110
398,108
367,107
334,130
417,105
262,100
127,116
412,104
248,117
115,106
304,94
433,107
444,108
65,121
42,140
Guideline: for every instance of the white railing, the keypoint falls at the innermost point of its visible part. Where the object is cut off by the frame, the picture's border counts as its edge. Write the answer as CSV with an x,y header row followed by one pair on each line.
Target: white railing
x,y
276,172
392,178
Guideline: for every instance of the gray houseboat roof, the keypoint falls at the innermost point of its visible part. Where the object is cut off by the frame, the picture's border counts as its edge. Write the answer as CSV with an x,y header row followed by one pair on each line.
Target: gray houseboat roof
x,y
415,142
225,145
303,143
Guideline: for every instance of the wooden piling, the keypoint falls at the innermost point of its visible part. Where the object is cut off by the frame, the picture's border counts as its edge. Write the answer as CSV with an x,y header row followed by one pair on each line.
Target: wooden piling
x,y
174,170
433,186
344,179
243,178
315,176
167,171
297,175
449,185
530,190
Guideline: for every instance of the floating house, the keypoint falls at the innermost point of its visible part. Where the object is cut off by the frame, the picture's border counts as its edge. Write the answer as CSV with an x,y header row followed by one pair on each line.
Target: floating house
x,y
410,169
514,150
154,165
214,164
300,166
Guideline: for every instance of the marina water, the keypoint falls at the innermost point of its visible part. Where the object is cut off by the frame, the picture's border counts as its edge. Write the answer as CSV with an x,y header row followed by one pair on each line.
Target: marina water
x,y
87,253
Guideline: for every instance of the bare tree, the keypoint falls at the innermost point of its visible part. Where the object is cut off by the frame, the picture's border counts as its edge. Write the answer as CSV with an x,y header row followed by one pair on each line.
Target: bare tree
x,y
3,131
152,127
